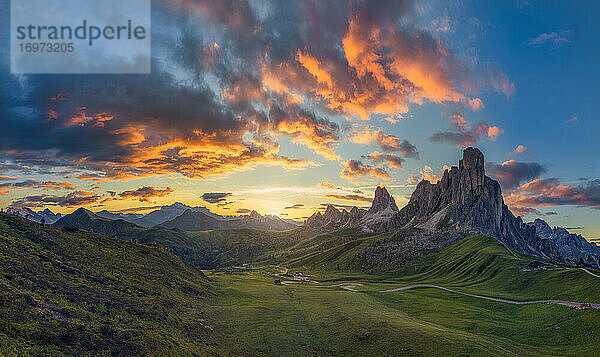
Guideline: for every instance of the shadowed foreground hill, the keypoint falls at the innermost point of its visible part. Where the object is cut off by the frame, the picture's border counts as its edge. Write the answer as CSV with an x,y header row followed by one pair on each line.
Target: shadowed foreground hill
x,y
67,291
85,219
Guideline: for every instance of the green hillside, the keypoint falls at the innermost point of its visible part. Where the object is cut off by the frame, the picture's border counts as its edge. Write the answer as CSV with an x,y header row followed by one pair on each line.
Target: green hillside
x,y
329,251
477,264
263,319
483,265
67,291
309,319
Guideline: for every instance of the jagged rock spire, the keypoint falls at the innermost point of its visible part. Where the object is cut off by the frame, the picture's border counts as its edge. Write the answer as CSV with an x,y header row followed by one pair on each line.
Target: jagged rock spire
x,y
382,200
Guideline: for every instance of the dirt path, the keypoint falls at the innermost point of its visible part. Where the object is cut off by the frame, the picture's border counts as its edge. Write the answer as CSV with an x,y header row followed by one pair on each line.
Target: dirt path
x,y
507,248
589,272
558,302
346,286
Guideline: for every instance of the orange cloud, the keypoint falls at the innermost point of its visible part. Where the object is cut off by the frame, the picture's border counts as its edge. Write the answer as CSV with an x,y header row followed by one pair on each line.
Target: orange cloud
x,y
75,198
81,118
493,132
37,184
329,185
519,150
350,198
550,192
354,168
391,160
320,136
462,135
387,143
475,103
144,194
314,67
426,173
421,66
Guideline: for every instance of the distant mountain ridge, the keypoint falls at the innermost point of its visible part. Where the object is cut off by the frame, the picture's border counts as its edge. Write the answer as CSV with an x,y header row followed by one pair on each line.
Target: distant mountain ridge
x,y
200,221
572,247
156,217
381,210
25,212
88,220
170,212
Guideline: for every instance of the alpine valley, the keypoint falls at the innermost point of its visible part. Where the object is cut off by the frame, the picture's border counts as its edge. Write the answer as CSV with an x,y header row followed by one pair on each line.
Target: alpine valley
x,y
453,267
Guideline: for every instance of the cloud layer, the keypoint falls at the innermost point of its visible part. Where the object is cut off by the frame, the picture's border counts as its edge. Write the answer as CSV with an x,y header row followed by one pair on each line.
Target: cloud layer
x,y
240,75
512,173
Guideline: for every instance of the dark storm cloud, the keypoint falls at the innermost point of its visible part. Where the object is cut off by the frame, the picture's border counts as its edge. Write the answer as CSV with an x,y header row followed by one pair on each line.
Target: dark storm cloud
x,y
511,173
144,194
295,206
75,198
215,197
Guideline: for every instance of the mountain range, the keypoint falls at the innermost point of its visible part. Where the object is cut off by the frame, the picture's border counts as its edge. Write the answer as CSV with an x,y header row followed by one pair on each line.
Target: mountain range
x,y
463,201
89,221
189,220
165,216
156,217
200,221
26,212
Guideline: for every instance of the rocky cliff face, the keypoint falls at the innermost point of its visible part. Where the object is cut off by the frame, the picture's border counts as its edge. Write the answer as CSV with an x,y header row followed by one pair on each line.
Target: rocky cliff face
x,y
467,200
48,216
463,201
382,210
333,219
574,248
382,201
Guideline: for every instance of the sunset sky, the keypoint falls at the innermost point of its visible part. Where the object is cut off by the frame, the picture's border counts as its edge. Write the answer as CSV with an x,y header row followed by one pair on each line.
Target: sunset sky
x,y
282,107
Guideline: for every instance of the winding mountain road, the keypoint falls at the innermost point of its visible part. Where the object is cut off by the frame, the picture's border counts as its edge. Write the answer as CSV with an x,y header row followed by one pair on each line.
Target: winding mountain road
x,y
589,272
351,286
345,286
558,302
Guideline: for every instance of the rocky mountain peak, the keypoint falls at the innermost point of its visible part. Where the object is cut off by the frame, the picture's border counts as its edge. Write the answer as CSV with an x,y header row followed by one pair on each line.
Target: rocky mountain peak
x,y
467,201
472,160
471,175
541,225
255,215
331,212
83,212
382,201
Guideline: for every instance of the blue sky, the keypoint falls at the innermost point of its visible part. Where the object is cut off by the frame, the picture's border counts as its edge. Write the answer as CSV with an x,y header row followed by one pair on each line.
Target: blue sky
x,y
303,103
